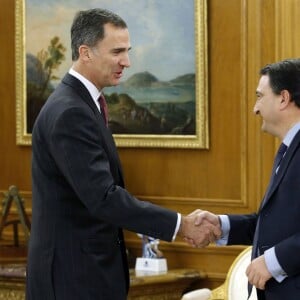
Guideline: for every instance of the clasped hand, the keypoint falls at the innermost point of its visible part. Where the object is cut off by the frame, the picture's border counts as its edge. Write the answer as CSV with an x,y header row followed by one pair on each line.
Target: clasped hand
x,y
200,228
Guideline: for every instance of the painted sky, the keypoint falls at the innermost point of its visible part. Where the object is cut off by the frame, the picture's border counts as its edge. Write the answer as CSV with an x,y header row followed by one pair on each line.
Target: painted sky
x,y
161,31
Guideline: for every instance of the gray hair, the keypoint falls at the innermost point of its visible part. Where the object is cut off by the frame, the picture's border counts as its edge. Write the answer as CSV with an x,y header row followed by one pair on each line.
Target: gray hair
x,y
88,28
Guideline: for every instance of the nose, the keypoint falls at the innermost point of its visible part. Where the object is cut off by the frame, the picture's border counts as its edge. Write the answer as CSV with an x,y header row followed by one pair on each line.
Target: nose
x,y
125,62
255,108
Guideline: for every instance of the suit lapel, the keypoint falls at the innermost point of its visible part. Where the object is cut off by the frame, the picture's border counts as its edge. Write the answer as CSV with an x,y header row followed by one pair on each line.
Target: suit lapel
x,y
283,167
81,90
84,95
109,144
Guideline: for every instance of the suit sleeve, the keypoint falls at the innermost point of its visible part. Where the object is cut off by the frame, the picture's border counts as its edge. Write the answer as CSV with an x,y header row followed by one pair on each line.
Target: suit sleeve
x,y
77,147
287,253
242,229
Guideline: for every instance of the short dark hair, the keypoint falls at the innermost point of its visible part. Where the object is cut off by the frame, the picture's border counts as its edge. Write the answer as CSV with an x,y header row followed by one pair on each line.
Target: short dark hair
x,y
284,75
88,27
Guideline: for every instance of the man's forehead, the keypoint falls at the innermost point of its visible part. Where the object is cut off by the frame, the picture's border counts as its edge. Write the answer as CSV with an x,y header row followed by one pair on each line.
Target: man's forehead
x,y
263,85
264,82
113,33
110,28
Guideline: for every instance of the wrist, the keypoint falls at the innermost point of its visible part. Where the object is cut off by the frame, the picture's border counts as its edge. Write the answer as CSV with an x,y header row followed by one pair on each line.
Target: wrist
x,y
182,226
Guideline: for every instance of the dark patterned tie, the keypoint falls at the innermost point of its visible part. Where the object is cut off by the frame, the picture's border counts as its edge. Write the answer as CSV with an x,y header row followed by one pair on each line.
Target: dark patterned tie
x,y
278,158
280,153
281,150
103,108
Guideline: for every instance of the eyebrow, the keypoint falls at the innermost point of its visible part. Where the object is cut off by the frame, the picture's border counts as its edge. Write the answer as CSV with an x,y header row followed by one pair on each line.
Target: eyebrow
x,y
121,49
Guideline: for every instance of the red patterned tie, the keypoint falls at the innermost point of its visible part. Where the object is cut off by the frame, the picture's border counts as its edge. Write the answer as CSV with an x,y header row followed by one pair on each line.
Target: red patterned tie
x,y
103,108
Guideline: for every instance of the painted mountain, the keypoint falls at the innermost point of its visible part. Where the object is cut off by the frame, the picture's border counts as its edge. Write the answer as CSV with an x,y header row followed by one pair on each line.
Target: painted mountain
x,y
144,105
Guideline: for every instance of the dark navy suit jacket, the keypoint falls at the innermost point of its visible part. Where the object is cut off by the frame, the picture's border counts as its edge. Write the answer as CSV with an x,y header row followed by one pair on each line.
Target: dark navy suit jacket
x,y
279,225
79,205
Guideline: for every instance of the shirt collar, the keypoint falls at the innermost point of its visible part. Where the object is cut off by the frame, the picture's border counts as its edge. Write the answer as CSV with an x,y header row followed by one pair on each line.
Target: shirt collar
x,y
291,134
94,92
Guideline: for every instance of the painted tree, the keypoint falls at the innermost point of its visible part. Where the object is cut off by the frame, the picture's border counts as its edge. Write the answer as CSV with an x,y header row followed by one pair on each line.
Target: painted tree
x,y
50,60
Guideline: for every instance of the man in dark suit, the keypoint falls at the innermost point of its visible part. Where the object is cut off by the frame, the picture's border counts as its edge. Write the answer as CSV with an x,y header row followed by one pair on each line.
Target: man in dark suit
x,y
79,205
275,230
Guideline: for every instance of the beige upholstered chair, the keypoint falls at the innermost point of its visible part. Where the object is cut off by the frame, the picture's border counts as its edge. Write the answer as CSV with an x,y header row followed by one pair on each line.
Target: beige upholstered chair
x,y
235,285
201,294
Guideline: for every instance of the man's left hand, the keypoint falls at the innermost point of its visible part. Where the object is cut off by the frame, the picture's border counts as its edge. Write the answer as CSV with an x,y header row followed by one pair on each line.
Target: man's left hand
x,y
258,273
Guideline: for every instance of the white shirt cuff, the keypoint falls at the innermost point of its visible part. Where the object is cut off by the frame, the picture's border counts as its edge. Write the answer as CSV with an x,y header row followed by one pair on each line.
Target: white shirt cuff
x,y
177,226
225,228
273,265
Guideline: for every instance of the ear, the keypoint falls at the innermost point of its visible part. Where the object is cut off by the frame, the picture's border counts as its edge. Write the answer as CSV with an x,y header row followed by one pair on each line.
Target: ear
x,y
285,99
84,52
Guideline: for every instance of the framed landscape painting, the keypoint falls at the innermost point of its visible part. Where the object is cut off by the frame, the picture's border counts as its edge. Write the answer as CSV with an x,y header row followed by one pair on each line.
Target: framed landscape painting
x,y
162,100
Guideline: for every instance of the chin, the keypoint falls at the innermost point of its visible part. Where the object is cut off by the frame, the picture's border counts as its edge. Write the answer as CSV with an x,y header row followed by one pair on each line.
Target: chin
x,y
266,130
114,83
264,127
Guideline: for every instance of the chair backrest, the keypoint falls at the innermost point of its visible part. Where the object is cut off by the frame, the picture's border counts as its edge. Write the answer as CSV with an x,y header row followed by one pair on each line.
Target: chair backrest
x,y
235,286
236,283
200,294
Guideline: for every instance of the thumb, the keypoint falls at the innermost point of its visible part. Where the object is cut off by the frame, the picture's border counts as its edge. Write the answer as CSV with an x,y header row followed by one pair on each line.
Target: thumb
x,y
200,217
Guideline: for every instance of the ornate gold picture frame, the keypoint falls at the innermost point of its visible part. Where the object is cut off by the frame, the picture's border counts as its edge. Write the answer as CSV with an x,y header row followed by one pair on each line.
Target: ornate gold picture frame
x,y
176,113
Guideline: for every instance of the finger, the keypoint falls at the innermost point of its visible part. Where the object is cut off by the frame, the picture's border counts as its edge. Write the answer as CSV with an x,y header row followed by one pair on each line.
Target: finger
x,y
262,284
213,219
248,271
256,280
190,241
204,244
214,232
217,232
200,217
205,236
212,238
195,212
210,234
208,217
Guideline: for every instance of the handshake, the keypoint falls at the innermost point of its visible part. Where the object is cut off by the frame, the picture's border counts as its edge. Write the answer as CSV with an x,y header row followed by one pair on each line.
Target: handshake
x,y
200,228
